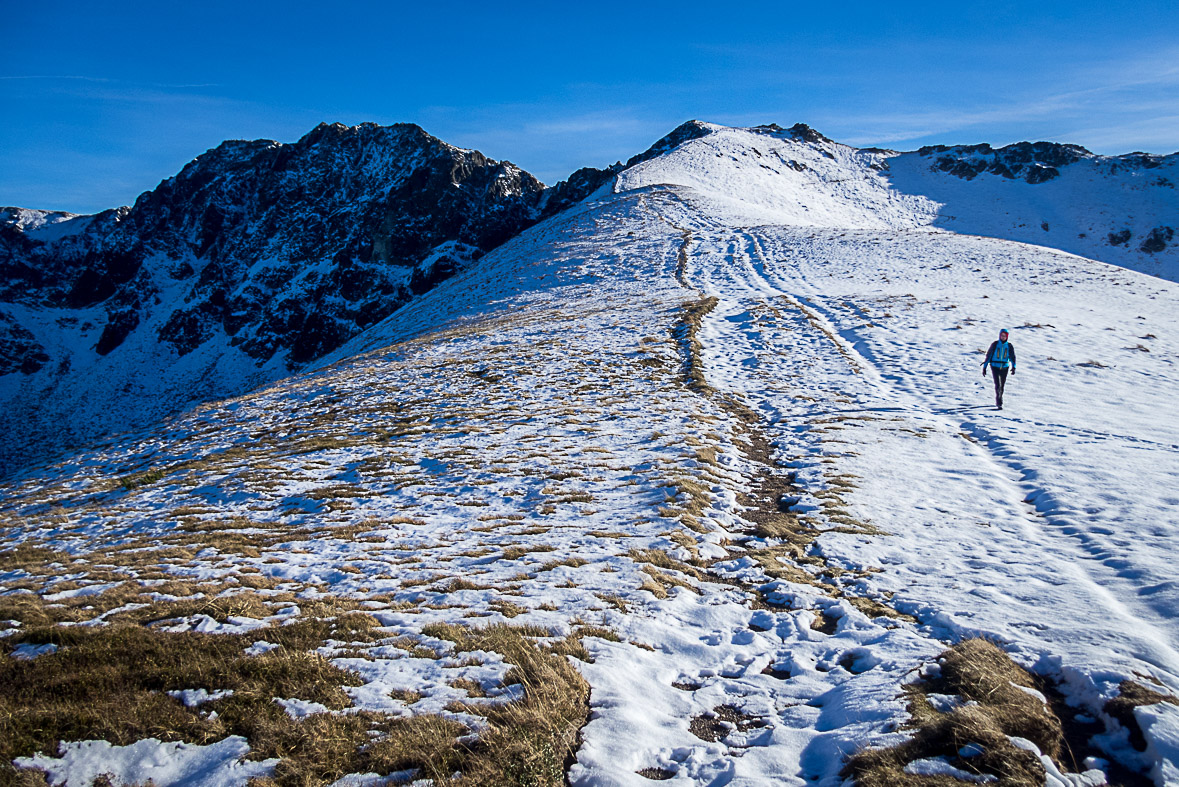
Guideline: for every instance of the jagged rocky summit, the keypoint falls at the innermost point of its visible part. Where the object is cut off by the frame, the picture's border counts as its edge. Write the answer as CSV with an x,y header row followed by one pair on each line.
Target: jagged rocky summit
x,y
255,259
280,248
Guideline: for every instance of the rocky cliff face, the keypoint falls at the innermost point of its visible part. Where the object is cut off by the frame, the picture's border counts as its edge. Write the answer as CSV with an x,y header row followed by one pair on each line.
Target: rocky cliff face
x,y
257,255
282,248
1034,162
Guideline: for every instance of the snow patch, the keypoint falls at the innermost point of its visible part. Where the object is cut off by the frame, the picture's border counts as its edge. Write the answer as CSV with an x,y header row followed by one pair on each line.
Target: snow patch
x,y
220,764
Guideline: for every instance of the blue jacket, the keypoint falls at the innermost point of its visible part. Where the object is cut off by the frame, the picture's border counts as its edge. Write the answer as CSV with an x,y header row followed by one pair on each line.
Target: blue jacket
x,y
1001,355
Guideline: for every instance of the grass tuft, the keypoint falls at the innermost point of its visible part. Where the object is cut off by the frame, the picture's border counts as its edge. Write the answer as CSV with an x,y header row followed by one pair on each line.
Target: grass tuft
x,y
531,741
660,559
1001,705
110,682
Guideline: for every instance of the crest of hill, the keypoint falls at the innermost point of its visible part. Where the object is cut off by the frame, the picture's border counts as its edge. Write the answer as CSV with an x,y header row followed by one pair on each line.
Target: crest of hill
x,y
771,175
1116,209
260,257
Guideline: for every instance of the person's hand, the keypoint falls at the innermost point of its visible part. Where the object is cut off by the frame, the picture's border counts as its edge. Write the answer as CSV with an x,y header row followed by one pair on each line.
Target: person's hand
x,y
1012,371
984,371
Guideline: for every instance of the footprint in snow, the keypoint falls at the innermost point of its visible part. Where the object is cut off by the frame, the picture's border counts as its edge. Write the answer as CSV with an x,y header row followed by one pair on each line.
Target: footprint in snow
x,y
722,721
826,622
858,660
776,671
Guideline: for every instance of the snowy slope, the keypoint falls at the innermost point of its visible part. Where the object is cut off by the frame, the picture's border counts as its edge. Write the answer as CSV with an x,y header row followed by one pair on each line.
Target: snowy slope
x,y
259,257
1119,209
575,435
780,176
1122,210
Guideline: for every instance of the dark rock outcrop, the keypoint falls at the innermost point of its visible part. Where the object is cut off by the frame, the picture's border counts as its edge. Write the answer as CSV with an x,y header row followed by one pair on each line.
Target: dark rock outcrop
x,y
1158,239
117,329
587,180
19,349
1033,162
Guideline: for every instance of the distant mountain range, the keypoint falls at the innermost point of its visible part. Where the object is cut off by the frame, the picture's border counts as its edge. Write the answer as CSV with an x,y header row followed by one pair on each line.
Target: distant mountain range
x,y
260,257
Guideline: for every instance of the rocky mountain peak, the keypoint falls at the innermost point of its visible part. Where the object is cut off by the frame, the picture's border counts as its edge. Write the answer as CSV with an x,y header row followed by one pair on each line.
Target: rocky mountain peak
x,y
265,252
805,133
685,132
1034,162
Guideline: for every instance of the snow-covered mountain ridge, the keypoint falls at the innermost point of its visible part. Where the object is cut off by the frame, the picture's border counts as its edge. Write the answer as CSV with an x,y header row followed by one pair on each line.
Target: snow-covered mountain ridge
x,y
284,247
694,480
1118,209
796,177
256,258
259,257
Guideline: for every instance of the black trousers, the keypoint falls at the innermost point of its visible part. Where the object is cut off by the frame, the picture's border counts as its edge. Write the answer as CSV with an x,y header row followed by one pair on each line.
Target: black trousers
x,y
1000,376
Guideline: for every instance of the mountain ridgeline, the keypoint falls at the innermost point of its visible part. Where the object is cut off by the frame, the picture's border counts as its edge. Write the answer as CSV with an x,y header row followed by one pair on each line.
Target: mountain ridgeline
x,y
277,247
260,257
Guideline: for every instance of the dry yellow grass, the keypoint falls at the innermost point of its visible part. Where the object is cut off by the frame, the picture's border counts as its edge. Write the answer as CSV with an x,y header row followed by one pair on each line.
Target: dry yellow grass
x,y
109,682
531,741
978,671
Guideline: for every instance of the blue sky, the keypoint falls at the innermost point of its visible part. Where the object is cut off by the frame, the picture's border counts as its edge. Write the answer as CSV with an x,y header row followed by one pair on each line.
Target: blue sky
x,y
102,101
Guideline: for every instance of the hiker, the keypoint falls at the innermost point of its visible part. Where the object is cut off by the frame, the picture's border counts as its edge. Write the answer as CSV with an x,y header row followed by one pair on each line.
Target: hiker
x,y
1001,358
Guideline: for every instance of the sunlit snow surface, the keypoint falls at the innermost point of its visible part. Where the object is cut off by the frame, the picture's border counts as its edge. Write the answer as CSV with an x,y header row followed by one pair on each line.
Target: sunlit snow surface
x,y
537,401
221,764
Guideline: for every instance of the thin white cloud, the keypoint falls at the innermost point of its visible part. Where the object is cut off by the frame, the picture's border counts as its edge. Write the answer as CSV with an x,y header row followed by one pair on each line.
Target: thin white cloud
x,y
593,123
107,81
52,76
1155,134
1137,97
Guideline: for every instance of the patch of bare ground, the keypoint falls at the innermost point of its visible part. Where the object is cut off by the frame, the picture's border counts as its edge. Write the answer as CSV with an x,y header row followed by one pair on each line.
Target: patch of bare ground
x,y
31,558
686,333
783,545
825,623
660,559
659,582
110,682
785,539
1131,695
996,699
721,722
656,774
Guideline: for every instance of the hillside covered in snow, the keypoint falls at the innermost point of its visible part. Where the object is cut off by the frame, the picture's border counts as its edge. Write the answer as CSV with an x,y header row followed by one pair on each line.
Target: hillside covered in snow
x,y
695,480
259,257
